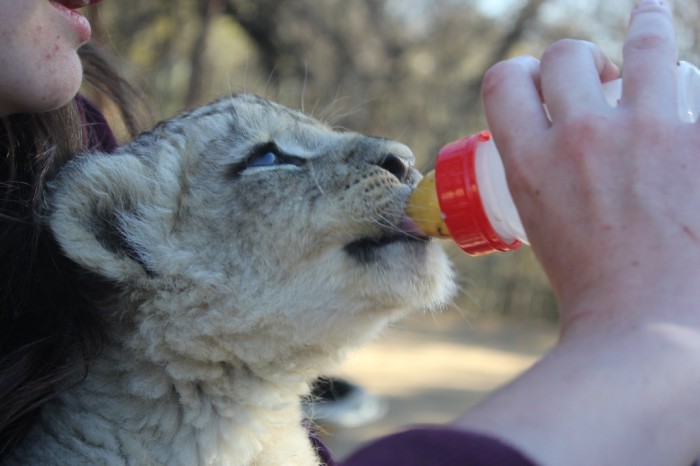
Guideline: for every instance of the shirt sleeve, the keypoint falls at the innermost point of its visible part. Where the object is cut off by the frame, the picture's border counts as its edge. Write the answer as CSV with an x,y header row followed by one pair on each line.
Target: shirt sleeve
x,y
438,446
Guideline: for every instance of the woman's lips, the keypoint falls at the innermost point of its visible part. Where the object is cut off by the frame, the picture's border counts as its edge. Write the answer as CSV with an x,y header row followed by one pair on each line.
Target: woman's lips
x,y
78,22
73,4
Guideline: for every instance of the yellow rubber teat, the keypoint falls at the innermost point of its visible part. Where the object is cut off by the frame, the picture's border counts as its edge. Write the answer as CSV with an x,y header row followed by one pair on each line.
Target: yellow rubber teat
x,y
424,209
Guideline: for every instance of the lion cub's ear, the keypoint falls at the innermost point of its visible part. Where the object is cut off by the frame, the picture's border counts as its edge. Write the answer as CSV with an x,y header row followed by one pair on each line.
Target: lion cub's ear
x,y
97,209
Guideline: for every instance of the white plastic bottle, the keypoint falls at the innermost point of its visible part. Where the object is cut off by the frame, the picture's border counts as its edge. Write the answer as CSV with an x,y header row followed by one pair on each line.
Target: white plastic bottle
x,y
471,189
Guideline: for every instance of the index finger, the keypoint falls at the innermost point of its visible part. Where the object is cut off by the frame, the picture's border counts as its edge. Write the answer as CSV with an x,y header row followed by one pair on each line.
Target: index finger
x,y
650,58
512,100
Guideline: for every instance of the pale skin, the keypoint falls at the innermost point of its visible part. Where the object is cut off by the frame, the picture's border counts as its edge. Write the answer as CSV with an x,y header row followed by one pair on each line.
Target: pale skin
x,y
38,58
609,199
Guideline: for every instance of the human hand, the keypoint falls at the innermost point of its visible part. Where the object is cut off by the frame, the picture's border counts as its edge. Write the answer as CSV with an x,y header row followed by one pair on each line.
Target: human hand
x,y
608,196
609,199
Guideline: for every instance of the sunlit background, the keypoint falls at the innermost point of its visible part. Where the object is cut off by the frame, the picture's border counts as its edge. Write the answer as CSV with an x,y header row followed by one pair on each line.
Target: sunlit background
x,y
402,69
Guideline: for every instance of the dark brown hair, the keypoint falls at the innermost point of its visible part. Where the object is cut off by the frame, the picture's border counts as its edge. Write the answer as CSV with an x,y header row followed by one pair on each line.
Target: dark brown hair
x,y
49,328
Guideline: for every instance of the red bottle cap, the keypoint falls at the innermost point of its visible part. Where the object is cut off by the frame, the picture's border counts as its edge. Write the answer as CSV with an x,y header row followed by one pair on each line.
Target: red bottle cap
x,y
460,200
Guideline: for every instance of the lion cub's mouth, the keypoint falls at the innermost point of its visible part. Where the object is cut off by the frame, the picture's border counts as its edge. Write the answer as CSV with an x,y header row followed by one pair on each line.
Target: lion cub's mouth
x,y
366,249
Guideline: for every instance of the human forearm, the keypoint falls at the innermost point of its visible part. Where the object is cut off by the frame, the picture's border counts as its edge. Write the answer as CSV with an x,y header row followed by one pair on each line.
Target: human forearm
x,y
623,396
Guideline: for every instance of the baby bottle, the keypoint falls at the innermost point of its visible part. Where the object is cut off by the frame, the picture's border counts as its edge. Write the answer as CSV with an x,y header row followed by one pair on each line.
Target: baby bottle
x,y
466,196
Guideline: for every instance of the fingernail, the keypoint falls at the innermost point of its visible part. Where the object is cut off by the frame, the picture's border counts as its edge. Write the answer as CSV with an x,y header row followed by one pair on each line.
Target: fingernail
x,y
642,3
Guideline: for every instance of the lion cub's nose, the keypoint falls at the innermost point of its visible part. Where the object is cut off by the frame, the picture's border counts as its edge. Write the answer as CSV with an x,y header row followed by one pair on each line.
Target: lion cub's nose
x,y
394,165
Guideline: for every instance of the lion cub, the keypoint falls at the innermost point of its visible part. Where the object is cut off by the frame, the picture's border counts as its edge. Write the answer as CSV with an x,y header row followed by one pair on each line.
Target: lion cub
x,y
250,245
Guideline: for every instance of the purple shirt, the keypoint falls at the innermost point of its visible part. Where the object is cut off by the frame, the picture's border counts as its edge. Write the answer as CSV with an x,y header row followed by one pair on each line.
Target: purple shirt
x,y
96,131
432,446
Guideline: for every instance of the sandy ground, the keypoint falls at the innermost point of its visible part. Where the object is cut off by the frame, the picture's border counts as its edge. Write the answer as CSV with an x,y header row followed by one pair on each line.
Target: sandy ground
x,y
432,368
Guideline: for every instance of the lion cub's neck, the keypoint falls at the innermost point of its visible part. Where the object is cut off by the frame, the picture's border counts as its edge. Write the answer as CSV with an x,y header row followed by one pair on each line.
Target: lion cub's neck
x,y
221,414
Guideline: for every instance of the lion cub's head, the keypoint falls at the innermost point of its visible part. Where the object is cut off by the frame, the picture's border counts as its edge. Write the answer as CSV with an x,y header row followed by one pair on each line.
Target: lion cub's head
x,y
246,231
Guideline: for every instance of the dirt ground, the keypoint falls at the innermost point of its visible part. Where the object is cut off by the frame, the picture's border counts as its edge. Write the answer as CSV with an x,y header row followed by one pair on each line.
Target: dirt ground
x,y
432,368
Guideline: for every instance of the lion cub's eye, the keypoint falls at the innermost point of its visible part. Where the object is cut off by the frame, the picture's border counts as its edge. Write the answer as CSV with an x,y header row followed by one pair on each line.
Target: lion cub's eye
x,y
264,159
266,155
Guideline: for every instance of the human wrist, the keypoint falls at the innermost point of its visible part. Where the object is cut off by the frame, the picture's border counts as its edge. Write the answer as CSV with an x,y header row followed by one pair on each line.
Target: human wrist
x,y
632,300
582,398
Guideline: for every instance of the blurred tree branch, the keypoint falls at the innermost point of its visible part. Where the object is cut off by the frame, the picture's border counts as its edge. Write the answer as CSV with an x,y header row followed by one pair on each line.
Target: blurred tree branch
x,y
207,11
260,20
501,51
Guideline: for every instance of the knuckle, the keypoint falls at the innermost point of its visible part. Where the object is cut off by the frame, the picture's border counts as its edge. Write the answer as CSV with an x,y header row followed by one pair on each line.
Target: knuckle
x,y
583,131
503,71
654,127
589,123
521,177
563,48
520,161
495,75
646,41
660,7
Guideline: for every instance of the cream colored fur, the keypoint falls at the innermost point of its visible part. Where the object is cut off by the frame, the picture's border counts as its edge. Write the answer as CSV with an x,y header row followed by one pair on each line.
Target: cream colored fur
x,y
239,282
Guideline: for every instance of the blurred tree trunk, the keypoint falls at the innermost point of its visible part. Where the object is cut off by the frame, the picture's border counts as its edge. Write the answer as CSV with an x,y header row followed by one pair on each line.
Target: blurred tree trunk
x,y
527,15
260,21
207,11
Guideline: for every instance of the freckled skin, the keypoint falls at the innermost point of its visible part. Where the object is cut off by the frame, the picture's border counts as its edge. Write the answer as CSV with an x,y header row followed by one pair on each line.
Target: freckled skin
x,y
41,68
